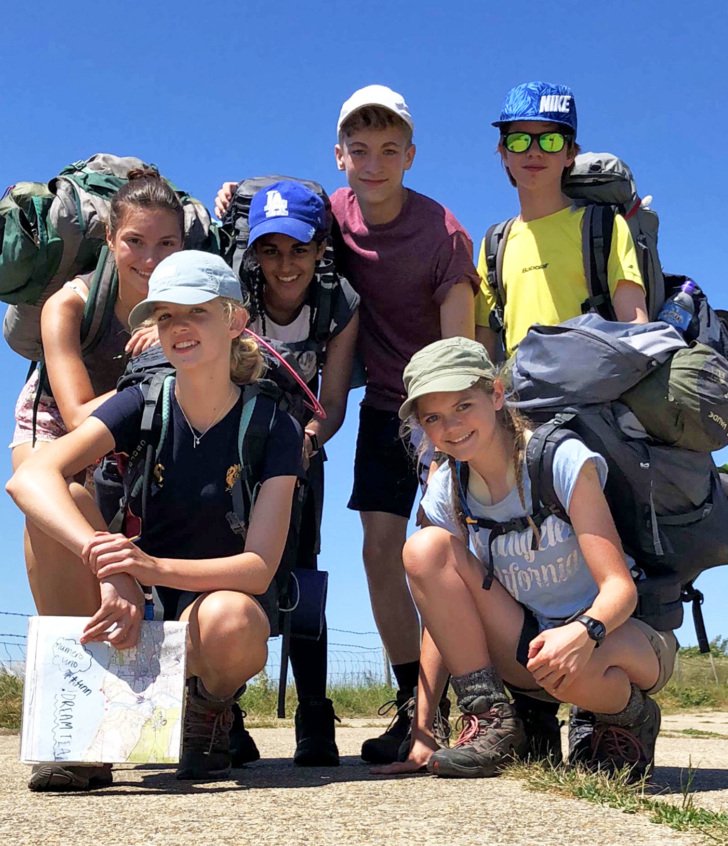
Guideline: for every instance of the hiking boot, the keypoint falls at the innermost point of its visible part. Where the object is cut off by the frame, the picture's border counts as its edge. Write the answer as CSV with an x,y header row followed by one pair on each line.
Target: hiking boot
x,y
205,735
440,727
542,727
59,777
490,737
581,735
385,748
315,734
615,747
242,746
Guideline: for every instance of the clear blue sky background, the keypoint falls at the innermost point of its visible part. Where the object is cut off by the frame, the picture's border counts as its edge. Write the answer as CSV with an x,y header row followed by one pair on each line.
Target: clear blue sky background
x,y
228,89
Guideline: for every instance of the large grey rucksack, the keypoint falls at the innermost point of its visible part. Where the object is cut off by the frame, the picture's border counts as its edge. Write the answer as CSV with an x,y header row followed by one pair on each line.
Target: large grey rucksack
x,y
668,503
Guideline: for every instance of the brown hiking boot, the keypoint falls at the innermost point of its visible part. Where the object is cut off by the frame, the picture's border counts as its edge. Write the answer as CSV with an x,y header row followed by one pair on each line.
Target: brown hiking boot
x,y
615,747
205,735
61,777
492,735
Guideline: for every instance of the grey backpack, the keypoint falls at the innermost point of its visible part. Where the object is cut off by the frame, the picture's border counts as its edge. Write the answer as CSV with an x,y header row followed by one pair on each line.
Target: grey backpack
x,y
668,503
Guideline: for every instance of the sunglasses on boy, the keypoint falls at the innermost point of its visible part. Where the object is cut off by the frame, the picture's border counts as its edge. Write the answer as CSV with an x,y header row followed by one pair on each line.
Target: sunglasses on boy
x,y
549,142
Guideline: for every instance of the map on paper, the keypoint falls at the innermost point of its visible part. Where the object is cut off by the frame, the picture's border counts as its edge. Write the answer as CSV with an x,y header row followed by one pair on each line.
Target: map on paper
x,y
93,703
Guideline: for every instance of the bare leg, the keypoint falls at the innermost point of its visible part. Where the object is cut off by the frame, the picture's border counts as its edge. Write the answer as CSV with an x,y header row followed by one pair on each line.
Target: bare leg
x,y
394,611
227,640
60,584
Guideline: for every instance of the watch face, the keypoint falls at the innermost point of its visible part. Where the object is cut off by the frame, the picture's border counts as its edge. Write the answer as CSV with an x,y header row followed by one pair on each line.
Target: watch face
x,y
596,630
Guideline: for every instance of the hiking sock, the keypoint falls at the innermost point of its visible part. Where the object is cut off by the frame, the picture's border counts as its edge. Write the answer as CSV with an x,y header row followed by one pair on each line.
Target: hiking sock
x,y
630,714
407,675
309,664
482,688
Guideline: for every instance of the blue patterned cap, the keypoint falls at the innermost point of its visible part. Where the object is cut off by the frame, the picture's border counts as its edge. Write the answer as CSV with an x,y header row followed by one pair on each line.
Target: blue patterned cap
x,y
542,101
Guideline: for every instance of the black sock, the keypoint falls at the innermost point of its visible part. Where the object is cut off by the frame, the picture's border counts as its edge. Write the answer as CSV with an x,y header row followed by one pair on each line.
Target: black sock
x,y
407,675
309,665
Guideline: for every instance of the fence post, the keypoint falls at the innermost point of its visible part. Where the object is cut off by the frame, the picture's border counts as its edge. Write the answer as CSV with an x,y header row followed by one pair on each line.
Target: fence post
x,y
387,668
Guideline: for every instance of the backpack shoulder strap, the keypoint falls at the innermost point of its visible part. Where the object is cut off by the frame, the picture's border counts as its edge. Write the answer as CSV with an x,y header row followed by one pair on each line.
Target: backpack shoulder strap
x,y
540,465
596,236
99,307
327,290
495,246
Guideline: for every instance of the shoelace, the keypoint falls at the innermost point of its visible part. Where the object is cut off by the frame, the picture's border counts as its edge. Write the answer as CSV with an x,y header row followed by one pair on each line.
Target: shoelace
x,y
200,728
475,724
617,744
408,707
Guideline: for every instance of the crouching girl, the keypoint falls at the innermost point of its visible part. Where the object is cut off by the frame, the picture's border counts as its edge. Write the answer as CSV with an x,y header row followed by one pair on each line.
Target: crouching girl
x,y
206,573
550,619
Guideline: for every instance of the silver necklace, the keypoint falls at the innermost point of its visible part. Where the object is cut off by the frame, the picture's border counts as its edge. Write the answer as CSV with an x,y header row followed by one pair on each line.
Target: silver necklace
x,y
197,438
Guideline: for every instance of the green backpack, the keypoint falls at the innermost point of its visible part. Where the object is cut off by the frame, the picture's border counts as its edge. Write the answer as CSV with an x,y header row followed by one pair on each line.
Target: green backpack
x,y
50,233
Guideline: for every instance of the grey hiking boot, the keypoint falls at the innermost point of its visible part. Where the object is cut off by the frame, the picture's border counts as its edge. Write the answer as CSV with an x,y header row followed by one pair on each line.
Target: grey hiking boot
x,y
492,735
205,735
581,735
385,748
440,726
61,777
615,747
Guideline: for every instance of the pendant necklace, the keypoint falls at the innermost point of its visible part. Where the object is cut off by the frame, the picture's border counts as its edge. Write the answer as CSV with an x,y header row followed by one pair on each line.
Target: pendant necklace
x,y
197,438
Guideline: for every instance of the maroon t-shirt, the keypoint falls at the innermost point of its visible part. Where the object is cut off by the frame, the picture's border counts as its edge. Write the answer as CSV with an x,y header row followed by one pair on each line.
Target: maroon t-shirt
x,y
402,270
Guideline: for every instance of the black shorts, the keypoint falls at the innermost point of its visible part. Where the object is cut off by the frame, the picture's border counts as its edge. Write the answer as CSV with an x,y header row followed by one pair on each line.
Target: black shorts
x,y
385,474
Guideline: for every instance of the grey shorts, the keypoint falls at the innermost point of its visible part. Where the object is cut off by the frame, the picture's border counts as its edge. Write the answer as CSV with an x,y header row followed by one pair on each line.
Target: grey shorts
x,y
664,644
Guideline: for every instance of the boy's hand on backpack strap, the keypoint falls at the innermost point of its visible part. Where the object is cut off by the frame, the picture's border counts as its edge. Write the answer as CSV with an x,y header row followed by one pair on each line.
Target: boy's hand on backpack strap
x,y
223,198
141,340
107,555
120,615
557,656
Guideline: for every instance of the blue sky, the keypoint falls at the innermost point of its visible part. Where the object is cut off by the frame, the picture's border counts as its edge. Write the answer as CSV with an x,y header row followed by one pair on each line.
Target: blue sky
x,y
210,92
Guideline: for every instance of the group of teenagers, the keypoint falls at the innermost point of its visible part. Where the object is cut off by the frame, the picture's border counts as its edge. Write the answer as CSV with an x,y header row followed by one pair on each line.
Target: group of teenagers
x,y
412,306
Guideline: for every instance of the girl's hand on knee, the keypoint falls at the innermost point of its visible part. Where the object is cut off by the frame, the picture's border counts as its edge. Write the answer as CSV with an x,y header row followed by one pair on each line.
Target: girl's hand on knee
x,y
557,656
120,615
107,554
419,754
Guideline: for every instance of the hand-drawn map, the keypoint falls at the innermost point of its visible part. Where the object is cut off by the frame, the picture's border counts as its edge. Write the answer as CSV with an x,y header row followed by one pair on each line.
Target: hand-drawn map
x,y
94,703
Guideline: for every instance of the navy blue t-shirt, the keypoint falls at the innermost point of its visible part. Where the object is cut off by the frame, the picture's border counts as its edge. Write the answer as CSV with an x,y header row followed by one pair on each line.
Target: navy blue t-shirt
x,y
191,492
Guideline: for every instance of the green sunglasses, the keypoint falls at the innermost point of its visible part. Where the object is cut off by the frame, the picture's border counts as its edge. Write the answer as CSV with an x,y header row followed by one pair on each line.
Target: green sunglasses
x,y
549,142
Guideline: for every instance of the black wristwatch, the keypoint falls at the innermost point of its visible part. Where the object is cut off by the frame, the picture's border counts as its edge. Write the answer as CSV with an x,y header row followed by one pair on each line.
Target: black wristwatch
x,y
596,629
314,442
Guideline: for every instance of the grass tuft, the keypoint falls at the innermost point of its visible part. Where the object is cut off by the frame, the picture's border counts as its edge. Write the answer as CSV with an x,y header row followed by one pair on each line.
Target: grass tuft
x,y
616,792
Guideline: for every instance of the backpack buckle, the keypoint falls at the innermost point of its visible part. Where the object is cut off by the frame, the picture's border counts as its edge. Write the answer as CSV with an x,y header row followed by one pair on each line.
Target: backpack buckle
x,y
235,523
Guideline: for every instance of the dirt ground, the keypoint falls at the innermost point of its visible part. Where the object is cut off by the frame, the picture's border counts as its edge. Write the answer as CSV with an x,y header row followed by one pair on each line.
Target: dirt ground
x,y
271,802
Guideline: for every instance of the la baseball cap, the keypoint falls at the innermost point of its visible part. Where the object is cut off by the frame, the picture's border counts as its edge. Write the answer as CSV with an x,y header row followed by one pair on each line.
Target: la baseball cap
x,y
376,95
189,277
286,208
542,101
452,364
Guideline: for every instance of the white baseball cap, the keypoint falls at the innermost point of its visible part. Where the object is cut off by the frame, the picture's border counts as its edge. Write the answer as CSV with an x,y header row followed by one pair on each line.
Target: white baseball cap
x,y
376,95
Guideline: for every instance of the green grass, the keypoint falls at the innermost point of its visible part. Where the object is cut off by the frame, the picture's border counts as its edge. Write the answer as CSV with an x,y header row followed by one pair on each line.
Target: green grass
x,y
616,792
11,699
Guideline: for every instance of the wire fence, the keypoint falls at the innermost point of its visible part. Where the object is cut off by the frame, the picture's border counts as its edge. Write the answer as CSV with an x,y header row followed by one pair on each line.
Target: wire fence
x,y
356,659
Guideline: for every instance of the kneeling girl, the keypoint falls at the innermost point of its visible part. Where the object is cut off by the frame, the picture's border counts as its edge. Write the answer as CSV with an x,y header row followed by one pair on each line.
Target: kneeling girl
x,y
206,574
555,621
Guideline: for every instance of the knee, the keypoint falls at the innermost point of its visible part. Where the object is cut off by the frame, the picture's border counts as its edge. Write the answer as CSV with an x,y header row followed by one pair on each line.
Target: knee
x,y
230,616
427,551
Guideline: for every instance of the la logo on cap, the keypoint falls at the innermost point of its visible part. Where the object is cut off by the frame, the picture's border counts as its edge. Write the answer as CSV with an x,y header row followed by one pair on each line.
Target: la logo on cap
x,y
555,103
275,206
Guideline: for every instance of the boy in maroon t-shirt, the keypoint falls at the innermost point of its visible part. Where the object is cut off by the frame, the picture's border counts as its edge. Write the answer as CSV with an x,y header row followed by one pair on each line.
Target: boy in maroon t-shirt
x,y
411,262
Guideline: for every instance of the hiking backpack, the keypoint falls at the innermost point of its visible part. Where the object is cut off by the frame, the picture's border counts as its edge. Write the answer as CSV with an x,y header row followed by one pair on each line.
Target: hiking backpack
x,y
324,291
668,503
605,186
51,233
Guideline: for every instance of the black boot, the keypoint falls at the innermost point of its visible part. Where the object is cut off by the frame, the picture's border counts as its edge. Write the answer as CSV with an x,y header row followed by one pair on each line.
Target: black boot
x,y
242,746
315,734
384,749
542,728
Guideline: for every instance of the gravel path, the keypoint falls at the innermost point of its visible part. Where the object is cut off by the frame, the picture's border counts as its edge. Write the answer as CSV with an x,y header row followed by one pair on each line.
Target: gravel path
x,y
272,803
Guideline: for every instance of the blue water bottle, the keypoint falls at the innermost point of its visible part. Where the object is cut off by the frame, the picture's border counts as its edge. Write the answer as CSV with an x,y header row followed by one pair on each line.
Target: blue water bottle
x,y
678,311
